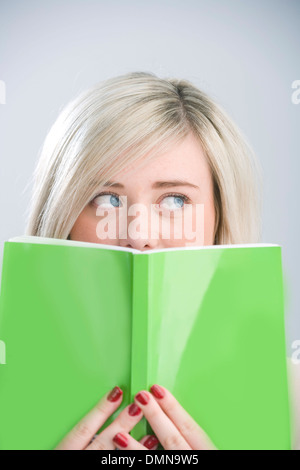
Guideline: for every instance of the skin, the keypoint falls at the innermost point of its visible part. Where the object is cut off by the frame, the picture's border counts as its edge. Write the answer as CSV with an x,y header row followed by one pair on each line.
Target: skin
x,y
172,425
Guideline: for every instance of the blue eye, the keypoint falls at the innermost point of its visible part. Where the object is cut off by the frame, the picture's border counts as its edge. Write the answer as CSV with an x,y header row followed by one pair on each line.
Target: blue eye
x,y
108,198
174,202
113,199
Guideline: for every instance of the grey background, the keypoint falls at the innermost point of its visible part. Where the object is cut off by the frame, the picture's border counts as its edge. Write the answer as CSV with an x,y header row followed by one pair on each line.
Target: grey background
x,y
245,54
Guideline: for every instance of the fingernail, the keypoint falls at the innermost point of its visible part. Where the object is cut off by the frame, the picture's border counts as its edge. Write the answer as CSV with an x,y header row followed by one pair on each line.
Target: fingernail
x,y
115,394
143,398
151,442
134,410
121,440
157,391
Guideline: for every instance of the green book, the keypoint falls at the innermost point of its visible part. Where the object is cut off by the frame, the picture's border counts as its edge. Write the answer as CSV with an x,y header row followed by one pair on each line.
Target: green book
x,y
207,323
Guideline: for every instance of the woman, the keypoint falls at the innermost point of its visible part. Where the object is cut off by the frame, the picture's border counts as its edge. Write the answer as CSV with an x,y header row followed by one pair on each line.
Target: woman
x,y
139,139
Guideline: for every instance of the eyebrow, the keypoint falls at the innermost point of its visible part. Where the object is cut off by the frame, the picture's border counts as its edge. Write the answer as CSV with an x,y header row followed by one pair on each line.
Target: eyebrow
x,y
157,184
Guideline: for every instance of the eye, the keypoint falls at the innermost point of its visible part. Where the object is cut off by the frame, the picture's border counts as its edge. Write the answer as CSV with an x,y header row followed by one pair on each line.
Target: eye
x,y
175,201
106,200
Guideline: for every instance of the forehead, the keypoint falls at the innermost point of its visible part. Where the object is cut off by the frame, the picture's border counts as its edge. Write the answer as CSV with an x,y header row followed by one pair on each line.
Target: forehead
x,y
184,160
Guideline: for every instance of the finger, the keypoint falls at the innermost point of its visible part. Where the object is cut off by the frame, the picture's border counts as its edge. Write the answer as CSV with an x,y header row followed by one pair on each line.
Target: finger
x,y
124,422
150,441
167,433
190,430
124,441
80,436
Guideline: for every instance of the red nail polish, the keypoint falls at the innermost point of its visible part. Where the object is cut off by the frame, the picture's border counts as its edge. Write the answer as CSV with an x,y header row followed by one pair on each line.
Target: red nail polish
x,y
121,440
157,391
134,410
143,398
115,394
151,442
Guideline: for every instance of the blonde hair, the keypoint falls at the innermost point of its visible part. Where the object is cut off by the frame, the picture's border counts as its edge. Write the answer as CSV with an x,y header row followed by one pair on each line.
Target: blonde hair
x,y
119,121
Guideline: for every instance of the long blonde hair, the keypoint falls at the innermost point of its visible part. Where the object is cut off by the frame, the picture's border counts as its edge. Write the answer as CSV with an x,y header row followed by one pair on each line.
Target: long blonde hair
x,y
119,121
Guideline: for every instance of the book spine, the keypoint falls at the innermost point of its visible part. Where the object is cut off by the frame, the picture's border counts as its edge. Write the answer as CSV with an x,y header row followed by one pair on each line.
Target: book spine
x,y
140,327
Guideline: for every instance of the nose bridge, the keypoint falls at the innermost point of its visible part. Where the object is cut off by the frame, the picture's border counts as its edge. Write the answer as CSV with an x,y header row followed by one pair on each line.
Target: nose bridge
x,y
140,225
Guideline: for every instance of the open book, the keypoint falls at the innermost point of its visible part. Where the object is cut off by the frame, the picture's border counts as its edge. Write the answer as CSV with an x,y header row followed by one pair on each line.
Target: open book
x,y
207,323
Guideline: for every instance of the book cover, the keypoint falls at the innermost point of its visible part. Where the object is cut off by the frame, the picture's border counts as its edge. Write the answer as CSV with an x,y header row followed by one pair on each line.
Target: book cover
x,y
207,323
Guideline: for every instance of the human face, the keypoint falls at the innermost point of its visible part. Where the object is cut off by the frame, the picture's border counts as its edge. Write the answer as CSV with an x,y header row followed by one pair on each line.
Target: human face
x,y
185,162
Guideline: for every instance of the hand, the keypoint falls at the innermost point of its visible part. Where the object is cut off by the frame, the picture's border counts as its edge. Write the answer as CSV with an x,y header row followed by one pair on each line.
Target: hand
x,y
83,435
173,426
